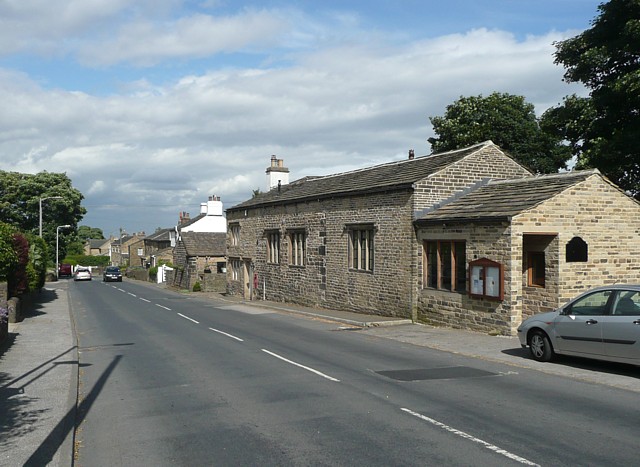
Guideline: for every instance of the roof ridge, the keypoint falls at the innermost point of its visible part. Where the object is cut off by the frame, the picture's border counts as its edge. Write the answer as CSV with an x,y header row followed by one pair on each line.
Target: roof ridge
x,y
572,173
479,146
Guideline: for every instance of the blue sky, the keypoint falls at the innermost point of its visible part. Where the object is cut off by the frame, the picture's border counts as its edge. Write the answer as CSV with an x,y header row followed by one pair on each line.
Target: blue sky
x,y
150,106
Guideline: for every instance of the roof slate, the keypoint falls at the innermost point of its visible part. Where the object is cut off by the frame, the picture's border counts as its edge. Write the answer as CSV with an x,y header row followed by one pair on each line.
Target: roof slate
x,y
204,243
503,199
393,175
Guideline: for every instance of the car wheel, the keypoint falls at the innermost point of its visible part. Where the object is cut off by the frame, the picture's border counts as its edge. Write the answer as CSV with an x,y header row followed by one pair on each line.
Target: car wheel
x,y
540,347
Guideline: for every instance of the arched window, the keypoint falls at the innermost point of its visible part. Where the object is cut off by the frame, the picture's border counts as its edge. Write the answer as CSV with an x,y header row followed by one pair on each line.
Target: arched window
x,y
577,250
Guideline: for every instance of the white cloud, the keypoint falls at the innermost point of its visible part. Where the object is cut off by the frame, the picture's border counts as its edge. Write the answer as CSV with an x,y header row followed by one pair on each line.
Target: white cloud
x,y
146,43
167,146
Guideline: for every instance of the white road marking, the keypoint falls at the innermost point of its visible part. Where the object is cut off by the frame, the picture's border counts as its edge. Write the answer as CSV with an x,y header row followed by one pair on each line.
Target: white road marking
x,y
186,317
132,294
227,334
122,290
301,366
144,300
462,434
163,307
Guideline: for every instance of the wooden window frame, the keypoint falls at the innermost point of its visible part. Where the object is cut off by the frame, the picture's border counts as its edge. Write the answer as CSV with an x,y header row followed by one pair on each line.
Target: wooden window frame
x,y
361,249
454,262
483,274
533,261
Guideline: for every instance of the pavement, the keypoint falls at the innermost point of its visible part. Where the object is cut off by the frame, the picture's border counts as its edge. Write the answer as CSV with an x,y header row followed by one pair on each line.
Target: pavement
x,y
39,367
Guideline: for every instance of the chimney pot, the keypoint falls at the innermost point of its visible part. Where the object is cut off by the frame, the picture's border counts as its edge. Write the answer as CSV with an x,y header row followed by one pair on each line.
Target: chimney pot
x,y
411,154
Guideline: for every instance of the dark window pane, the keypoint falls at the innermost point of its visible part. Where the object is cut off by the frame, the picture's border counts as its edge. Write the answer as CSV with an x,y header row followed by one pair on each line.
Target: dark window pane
x,y
461,263
432,265
445,265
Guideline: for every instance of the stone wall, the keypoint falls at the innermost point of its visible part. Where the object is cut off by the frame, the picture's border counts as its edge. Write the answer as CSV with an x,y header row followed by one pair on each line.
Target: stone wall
x,y
488,163
459,310
326,279
606,219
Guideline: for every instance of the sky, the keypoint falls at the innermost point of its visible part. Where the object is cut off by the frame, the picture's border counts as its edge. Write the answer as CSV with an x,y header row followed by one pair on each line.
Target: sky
x,y
152,106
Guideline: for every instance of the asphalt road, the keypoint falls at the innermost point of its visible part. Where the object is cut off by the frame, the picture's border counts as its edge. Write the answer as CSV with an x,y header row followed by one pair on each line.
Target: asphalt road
x,y
169,380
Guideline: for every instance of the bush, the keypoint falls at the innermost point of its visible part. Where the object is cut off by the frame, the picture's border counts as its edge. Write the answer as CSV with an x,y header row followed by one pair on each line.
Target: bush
x,y
197,287
18,280
8,254
86,260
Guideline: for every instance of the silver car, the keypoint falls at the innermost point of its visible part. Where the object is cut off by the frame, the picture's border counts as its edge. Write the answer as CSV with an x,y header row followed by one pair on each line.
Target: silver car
x,y
82,274
603,323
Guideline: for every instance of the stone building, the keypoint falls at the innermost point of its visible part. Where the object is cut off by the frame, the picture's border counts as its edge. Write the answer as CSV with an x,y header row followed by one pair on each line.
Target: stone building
x,y
200,257
348,240
513,248
466,238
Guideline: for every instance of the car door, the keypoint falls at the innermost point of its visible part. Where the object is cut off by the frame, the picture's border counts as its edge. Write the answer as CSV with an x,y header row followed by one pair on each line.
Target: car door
x,y
579,327
621,330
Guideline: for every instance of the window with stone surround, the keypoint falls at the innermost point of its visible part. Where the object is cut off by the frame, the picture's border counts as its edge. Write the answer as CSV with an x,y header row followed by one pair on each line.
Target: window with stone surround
x,y
273,247
535,269
445,265
361,240
236,267
297,247
235,234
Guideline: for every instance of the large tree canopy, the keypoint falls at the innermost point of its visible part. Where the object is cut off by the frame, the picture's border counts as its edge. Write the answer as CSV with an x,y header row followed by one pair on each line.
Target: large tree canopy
x,y
509,121
20,196
604,129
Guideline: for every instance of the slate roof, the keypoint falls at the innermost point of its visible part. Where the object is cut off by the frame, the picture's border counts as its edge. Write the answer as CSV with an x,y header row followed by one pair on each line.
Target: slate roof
x,y
393,175
95,243
502,199
204,243
160,235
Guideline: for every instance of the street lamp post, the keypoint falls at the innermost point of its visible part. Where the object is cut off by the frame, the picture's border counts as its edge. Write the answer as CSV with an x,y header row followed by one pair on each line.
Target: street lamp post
x,y
41,200
57,241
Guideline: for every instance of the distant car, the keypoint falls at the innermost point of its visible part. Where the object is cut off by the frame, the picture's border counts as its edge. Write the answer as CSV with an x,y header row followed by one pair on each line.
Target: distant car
x,y
112,273
64,270
603,323
82,274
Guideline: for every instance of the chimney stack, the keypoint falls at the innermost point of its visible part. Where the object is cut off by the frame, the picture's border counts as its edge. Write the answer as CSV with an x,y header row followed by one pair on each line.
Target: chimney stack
x,y
277,173
411,154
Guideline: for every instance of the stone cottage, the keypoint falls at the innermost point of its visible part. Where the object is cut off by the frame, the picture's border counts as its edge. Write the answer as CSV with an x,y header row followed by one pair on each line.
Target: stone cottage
x,y
199,254
348,240
200,257
513,248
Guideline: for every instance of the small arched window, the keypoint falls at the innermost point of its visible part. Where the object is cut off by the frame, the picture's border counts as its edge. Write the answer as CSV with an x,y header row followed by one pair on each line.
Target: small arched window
x,y
577,250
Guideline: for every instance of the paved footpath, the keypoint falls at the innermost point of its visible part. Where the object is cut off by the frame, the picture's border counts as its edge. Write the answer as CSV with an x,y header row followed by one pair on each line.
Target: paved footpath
x,y
38,383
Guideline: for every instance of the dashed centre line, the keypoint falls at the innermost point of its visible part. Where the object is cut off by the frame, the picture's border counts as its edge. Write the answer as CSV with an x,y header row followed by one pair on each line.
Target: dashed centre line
x,y
227,334
301,366
144,300
186,317
161,306
462,434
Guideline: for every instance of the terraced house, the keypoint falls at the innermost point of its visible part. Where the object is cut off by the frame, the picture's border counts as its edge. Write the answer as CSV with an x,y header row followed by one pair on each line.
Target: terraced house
x,y
466,238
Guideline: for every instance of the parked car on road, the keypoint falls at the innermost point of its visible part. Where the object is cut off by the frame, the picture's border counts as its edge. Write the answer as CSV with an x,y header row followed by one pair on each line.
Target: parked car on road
x,y
82,274
603,323
112,273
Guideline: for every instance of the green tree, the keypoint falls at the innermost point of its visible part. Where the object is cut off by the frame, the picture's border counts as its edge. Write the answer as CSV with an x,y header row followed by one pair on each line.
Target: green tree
x,y
506,119
604,129
85,232
20,196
